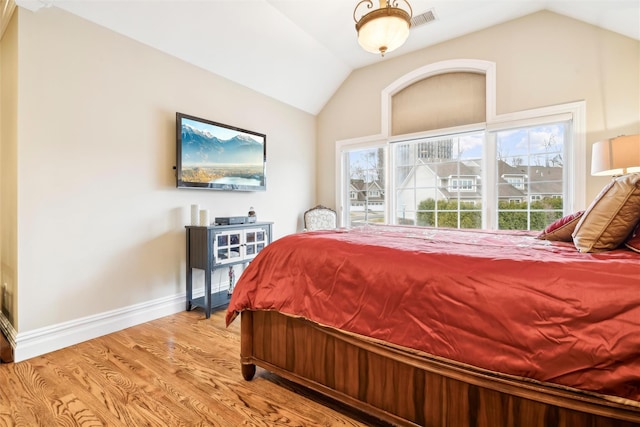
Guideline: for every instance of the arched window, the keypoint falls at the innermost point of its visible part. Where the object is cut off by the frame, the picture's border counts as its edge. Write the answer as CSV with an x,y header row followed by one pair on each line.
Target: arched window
x,y
447,160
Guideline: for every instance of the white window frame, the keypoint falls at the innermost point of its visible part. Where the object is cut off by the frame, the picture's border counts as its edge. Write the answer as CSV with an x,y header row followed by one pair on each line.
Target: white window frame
x,y
343,147
575,149
574,168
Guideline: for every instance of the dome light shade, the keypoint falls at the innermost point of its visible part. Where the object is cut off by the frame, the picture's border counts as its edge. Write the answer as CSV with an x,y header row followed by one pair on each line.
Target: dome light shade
x,y
384,29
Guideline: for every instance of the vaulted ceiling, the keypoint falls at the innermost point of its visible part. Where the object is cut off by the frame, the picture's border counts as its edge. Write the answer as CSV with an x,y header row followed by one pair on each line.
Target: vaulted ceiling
x,y
300,51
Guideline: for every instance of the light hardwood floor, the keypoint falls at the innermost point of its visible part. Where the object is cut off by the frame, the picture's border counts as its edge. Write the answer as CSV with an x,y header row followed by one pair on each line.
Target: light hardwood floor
x,y
181,370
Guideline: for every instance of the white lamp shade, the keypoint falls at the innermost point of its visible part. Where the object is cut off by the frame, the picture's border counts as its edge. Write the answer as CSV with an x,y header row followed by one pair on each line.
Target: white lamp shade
x,y
616,156
383,34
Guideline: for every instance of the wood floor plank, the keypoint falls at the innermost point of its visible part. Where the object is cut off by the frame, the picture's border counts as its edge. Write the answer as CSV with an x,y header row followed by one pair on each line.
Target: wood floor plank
x,y
104,390
11,411
180,370
141,389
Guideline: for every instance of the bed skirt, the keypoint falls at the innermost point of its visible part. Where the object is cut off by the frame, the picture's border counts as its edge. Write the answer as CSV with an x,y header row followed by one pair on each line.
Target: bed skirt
x,y
409,388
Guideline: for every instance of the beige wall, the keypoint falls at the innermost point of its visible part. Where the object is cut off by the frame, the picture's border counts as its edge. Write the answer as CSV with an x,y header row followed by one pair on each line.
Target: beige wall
x,y
542,59
8,171
101,224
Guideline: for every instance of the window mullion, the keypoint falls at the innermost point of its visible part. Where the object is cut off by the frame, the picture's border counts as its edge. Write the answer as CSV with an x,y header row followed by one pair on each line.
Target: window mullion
x,y
490,185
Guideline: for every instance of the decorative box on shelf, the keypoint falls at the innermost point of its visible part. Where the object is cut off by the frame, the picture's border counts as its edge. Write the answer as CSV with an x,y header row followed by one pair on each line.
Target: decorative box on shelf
x,y
216,246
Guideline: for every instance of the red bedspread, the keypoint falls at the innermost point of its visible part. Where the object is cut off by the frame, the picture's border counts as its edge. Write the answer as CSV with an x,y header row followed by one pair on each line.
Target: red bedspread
x,y
502,301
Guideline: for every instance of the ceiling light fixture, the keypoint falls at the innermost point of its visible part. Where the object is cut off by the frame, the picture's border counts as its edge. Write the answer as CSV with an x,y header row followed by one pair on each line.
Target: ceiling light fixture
x,y
384,29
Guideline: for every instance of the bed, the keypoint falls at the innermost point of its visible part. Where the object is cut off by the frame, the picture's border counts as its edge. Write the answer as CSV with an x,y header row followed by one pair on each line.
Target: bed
x,y
435,327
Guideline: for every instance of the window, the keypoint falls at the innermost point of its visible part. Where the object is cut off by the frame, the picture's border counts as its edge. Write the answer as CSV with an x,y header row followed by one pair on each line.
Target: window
x,y
461,184
433,181
443,189
518,170
517,181
530,162
365,171
452,181
514,178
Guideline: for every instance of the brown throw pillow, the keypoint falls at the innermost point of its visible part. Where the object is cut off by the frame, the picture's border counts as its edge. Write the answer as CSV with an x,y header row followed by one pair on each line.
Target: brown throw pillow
x,y
561,229
611,216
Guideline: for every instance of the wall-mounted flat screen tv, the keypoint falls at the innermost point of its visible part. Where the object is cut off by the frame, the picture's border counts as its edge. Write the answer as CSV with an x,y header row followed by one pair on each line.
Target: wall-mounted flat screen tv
x,y
215,156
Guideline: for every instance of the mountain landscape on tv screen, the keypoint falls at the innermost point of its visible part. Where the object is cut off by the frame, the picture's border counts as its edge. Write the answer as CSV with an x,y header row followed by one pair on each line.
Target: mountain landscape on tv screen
x,y
201,148
209,159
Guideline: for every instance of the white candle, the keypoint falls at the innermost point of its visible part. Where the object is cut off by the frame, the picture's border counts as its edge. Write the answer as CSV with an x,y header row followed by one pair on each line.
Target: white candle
x,y
195,212
204,217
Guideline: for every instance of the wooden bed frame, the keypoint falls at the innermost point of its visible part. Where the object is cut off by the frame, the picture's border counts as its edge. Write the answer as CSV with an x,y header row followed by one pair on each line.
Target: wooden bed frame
x,y
408,389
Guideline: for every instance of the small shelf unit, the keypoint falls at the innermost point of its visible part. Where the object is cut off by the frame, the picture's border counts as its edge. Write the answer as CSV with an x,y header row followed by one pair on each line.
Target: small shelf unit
x,y
217,246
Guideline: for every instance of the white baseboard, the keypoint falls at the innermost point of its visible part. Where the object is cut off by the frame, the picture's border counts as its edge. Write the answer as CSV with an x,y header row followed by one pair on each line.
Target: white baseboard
x,y
44,340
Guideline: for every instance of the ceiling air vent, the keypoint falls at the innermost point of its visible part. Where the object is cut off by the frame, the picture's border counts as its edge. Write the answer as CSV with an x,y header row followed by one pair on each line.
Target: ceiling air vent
x,y
423,18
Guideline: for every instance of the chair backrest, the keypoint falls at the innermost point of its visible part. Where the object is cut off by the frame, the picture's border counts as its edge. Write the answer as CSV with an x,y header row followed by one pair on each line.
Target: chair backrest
x,y
320,218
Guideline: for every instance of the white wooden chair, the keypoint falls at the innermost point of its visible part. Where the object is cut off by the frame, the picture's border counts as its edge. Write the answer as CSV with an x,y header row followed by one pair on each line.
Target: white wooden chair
x,y
320,218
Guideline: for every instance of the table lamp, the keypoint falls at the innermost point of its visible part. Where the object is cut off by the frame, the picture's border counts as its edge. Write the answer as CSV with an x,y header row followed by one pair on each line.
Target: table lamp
x,y
616,156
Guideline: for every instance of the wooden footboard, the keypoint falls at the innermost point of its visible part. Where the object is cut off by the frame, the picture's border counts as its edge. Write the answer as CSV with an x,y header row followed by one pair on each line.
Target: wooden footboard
x,y
409,389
